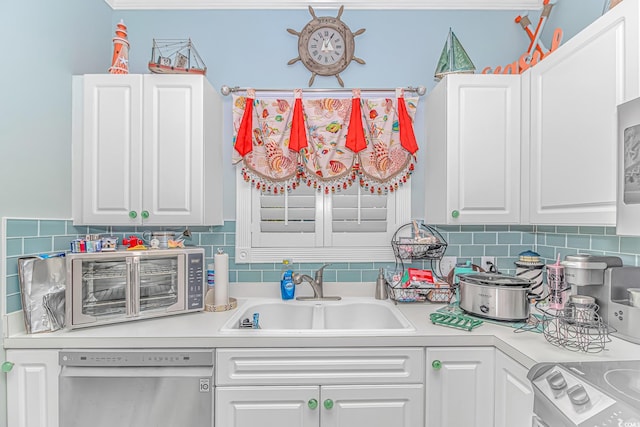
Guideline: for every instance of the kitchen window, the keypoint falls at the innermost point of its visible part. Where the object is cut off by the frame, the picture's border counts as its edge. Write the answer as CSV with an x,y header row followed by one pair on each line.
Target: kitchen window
x,y
306,225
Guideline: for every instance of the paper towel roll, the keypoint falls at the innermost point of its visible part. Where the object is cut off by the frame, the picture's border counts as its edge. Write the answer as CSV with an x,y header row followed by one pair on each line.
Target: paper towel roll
x,y
221,266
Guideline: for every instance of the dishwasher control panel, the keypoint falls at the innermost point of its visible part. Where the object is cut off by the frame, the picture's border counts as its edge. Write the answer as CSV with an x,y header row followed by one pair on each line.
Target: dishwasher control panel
x,y
136,358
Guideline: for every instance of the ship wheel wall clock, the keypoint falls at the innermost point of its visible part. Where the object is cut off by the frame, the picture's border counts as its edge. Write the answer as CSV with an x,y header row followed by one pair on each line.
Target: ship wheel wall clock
x,y
326,46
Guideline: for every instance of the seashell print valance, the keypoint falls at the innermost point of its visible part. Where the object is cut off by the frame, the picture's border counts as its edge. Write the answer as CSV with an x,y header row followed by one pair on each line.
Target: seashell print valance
x,y
325,143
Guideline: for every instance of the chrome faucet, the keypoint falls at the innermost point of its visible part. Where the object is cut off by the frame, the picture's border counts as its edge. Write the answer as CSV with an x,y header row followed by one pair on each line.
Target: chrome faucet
x,y
316,285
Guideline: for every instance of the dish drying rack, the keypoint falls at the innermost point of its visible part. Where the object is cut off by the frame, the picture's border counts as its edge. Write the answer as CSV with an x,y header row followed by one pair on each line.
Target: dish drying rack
x,y
576,327
416,242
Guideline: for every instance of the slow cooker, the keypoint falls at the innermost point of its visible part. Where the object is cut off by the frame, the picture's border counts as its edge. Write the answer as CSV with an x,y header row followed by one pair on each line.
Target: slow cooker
x,y
495,296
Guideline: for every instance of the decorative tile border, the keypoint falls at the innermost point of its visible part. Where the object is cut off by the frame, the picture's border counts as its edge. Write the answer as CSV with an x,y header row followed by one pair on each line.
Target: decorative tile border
x,y
35,236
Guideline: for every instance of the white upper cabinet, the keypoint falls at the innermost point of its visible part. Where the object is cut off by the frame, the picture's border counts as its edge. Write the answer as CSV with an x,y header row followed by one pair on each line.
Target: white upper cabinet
x,y
473,150
147,149
574,93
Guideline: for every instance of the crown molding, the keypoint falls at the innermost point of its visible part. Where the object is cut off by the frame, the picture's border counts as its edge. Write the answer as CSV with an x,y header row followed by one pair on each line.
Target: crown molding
x,y
327,4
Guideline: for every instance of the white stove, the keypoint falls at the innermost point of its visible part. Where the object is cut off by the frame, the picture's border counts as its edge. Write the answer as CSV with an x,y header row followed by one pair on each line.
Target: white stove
x,y
593,394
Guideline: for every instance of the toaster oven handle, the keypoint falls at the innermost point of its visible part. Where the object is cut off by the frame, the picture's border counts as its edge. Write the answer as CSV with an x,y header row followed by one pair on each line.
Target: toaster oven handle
x,y
130,288
135,287
127,288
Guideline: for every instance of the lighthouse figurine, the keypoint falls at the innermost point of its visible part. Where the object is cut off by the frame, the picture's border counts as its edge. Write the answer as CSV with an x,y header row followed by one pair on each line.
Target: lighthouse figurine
x,y
120,60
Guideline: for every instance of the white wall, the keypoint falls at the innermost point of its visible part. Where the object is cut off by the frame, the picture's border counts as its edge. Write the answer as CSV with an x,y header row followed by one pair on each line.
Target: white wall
x,y
44,43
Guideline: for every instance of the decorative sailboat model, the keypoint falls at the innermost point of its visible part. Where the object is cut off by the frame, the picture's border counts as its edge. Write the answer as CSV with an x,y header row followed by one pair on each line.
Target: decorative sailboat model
x,y
176,57
453,59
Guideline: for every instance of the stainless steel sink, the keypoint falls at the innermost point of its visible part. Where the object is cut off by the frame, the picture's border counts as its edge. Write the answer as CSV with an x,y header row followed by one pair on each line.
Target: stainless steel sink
x,y
350,315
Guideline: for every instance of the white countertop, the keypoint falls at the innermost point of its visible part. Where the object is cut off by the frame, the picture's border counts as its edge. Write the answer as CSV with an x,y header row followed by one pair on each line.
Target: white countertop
x,y
202,330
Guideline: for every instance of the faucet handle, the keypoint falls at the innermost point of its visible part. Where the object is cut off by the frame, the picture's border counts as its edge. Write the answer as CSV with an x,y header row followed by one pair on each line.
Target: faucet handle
x,y
321,270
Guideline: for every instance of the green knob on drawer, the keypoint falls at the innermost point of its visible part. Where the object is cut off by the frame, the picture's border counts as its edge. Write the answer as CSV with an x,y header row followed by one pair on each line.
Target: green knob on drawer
x,y
145,214
133,214
328,404
7,366
313,403
455,214
436,364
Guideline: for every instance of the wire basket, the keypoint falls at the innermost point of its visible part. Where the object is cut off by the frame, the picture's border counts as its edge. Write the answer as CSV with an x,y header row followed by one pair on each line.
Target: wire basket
x,y
577,327
438,294
416,290
415,241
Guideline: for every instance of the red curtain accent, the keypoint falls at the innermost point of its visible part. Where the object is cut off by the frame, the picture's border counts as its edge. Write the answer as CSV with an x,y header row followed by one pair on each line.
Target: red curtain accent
x,y
244,144
298,138
355,135
407,137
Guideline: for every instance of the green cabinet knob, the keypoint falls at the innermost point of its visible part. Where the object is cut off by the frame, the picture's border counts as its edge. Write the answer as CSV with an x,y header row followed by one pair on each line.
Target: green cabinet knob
x,y
133,214
328,404
313,403
7,366
145,214
436,364
455,214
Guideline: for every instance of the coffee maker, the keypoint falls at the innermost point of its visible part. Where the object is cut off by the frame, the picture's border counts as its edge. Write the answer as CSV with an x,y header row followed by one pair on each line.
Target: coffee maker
x,y
607,280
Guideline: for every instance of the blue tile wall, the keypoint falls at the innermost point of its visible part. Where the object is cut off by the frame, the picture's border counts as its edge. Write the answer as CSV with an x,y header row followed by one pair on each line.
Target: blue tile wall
x,y
34,236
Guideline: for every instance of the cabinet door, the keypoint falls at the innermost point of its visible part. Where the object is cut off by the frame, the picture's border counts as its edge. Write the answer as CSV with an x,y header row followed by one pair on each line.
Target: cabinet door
x,y
514,393
574,94
109,151
460,387
372,406
173,150
473,143
32,388
296,406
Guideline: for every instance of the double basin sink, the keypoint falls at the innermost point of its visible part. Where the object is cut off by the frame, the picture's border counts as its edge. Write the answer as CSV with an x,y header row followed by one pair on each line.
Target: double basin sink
x,y
349,315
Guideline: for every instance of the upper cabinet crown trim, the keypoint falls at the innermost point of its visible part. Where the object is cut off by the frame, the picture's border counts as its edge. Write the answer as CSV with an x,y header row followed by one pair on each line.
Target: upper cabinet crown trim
x,y
326,4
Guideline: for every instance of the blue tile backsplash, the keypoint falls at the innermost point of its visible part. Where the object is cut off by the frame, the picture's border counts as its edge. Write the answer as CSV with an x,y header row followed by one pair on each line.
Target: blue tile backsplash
x,y
505,242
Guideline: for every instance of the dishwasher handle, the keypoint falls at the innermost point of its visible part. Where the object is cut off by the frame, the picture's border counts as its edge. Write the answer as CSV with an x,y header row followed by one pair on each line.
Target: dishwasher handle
x,y
135,371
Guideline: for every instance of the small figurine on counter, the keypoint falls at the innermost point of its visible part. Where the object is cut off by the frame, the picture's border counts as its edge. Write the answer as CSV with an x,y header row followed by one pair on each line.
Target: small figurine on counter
x,y
134,243
109,243
175,243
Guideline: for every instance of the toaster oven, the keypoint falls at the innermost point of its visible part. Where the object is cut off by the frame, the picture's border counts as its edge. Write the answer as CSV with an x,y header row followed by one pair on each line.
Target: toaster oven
x,y
122,286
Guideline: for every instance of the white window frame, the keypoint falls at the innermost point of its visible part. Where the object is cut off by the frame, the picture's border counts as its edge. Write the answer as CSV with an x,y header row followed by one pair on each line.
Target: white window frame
x,y
398,205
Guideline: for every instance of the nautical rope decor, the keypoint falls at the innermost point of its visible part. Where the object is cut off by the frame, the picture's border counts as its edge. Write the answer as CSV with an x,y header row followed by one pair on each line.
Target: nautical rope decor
x,y
325,143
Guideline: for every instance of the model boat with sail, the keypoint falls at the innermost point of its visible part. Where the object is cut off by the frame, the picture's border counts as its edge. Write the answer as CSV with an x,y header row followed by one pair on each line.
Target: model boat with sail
x,y
176,57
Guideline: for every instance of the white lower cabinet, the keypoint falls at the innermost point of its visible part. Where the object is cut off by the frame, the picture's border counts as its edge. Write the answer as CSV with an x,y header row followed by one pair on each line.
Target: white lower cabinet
x,y
514,394
460,387
320,387
326,406
32,388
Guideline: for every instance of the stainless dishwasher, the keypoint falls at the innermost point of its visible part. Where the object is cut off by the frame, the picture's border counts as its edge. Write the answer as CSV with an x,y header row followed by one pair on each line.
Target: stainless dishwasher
x,y
136,388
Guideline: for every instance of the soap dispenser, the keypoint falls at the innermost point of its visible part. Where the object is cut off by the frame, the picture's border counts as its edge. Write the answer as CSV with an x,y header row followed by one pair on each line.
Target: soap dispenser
x,y
381,286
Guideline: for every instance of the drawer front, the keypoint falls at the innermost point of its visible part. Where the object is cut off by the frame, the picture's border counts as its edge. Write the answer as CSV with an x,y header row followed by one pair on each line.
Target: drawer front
x,y
320,366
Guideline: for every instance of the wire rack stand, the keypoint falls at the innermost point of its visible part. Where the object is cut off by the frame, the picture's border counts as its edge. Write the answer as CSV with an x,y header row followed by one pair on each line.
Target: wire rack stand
x,y
576,327
416,242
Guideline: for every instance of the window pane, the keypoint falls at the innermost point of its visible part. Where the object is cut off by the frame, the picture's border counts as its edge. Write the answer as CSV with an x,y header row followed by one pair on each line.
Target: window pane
x,y
354,210
288,212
